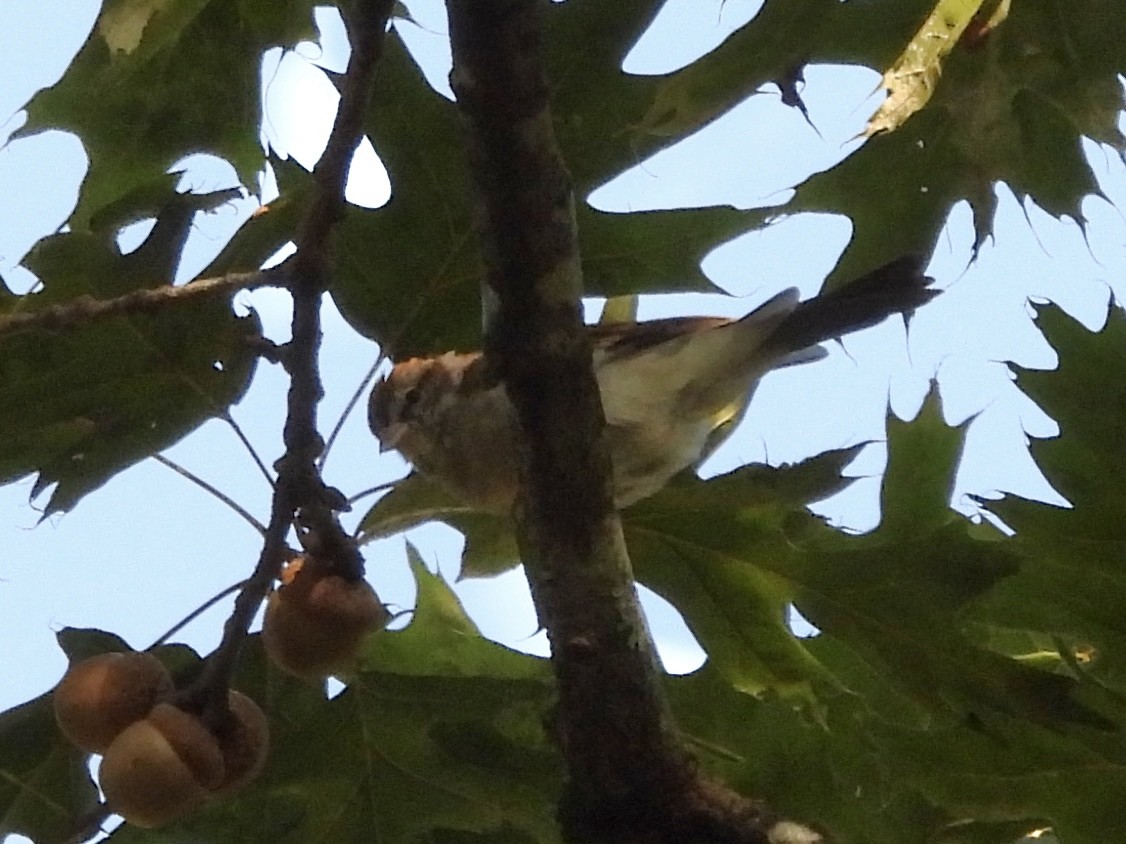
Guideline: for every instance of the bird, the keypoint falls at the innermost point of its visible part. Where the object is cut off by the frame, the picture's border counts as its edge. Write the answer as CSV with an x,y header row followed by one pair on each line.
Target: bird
x,y
666,385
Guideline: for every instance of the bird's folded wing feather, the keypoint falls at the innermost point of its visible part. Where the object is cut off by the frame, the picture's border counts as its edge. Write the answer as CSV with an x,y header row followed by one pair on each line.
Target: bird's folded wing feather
x,y
651,372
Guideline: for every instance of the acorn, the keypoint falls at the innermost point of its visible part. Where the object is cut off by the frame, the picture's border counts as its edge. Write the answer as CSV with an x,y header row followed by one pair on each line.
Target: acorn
x,y
316,621
161,767
102,695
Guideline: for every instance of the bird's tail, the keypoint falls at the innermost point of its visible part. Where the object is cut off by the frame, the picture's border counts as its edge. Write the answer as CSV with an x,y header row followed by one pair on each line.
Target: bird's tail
x,y
896,287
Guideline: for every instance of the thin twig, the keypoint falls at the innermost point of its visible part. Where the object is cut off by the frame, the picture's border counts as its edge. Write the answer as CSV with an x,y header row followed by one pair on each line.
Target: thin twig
x,y
200,482
83,310
207,696
234,426
359,496
194,614
348,408
366,25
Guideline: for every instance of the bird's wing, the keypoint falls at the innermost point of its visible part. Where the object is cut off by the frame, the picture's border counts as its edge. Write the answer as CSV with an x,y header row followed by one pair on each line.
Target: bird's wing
x,y
656,371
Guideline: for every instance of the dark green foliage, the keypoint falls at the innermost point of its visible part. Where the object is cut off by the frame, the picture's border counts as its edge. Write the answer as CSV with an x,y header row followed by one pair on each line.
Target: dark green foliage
x,y
966,687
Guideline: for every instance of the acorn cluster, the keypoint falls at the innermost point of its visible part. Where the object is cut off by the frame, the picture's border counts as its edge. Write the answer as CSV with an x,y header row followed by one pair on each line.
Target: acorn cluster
x,y
159,762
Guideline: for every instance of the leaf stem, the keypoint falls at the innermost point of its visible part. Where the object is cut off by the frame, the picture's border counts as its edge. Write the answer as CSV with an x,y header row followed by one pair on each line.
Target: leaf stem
x,y
348,408
202,484
234,426
194,614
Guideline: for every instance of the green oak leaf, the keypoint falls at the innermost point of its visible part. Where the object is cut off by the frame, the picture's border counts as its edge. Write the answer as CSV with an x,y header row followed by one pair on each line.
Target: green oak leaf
x,y
172,79
1072,581
1086,394
441,640
785,35
422,300
923,456
737,613
84,403
490,546
1006,769
714,549
1013,106
45,786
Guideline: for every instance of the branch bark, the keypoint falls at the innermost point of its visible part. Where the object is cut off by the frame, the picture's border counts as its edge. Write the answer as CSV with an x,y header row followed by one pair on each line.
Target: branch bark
x,y
300,493
82,310
629,777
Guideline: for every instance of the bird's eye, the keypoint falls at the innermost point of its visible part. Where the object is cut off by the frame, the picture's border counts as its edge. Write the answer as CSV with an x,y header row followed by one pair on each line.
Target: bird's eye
x,y
410,400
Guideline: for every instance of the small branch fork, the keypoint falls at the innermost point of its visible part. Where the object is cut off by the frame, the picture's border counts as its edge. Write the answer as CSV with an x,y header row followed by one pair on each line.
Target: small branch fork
x,y
631,780
299,494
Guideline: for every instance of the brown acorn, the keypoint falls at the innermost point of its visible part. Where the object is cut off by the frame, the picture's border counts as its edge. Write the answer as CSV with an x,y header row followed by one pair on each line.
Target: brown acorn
x,y
316,621
102,695
162,767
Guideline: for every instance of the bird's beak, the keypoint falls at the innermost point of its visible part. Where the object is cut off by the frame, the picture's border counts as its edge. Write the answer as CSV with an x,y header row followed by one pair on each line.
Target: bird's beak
x,y
390,436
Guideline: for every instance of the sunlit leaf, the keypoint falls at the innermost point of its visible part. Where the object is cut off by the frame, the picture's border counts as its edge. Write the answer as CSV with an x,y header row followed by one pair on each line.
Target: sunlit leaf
x,y
171,79
1071,583
912,79
1012,105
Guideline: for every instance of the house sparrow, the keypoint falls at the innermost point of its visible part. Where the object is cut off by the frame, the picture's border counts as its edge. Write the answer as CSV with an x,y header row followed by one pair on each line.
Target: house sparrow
x,y
666,386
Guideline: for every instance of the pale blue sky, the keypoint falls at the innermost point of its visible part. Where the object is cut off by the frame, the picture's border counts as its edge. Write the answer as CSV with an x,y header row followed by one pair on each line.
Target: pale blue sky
x,y
143,551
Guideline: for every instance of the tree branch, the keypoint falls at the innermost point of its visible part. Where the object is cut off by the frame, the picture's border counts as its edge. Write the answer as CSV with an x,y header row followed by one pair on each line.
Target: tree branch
x,y
298,469
299,492
82,310
367,25
630,777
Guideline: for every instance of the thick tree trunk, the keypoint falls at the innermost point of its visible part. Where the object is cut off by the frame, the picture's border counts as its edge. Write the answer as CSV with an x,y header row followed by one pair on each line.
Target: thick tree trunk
x,y
630,779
